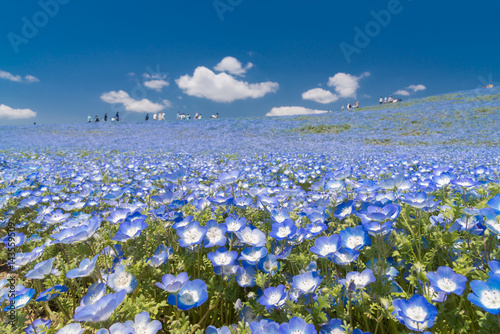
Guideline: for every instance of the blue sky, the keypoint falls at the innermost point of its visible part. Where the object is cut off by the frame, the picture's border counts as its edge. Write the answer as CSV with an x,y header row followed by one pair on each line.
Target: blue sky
x,y
91,57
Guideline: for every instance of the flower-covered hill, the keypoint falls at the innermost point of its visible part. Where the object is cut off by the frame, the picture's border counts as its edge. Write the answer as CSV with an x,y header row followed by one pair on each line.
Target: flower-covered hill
x,y
461,121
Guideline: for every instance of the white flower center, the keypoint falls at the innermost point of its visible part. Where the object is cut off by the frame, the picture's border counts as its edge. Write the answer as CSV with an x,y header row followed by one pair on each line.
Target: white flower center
x,y
306,285
416,313
192,236
327,249
446,285
123,279
222,259
132,231
274,298
353,242
283,232
189,297
491,298
214,234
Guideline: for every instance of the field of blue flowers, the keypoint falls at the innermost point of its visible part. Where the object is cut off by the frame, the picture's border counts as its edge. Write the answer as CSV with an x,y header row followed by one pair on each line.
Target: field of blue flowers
x,y
379,220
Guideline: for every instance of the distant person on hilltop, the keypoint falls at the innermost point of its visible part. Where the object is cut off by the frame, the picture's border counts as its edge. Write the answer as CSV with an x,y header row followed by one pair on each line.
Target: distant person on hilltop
x,y
96,118
117,117
390,99
154,117
89,119
342,109
105,117
381,100
178,115
147,117
385,100
215,116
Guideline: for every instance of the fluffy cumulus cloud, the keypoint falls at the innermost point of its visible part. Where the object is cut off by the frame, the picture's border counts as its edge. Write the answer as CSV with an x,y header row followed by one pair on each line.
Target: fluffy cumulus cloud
x,y
11,113
320,95
222,87
233,66
345,84
130,104
291,111
155,81
17,78
410,89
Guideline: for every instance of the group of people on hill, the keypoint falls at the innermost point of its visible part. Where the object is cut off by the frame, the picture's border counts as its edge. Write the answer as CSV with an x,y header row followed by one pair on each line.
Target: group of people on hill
x,y
351,106
96,119
196,116
157,116
384,100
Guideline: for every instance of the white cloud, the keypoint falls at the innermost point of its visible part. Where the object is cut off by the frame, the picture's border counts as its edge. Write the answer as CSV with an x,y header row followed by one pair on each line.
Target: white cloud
x,y
155,81
232,66
156,84
410,89
291,111
121,97
416,88
402,92
345,84
320,95
222,87
167,103
11,113
17,78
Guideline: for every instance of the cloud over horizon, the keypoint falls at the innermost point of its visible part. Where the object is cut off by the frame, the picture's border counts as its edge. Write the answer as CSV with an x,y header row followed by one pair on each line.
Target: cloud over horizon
x,y
222,87
291,111
155,81
11,113
17,78
410,89
130,104
320,95
346,85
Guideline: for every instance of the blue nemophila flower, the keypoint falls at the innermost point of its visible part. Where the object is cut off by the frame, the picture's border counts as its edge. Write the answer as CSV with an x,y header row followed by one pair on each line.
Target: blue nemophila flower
x,y
192,294
269,264
345,209
71,329
380,213
344,256
283,229
375,228
326,246
130,229
279,216
230,177
117,328
494,203
354,238
143,324
417,314
56,217
51,293
122,280
166,197
235,224
118,216
358,280
216,234
252,236
85,268
160,256
21,299
443,179
464,182
243,201
297,325
334,326
191,234
264,326
486,295
78,234
495,267
252,255
214,330
245,276
222,257
39,326
40,270
13,239
315,228
95,292
274,297
492,221
307,282
171,283
445,280
101,309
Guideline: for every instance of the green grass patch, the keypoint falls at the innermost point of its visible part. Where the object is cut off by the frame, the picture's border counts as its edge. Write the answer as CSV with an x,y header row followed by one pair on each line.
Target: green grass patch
x,y
322,128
